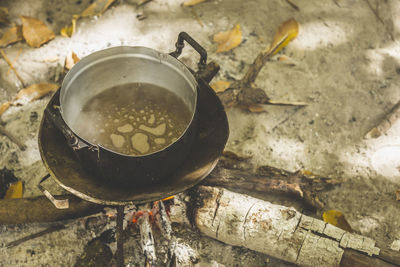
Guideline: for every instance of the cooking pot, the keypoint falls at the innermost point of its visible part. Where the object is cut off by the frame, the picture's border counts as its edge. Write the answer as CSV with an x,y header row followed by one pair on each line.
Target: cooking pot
x,y
108,68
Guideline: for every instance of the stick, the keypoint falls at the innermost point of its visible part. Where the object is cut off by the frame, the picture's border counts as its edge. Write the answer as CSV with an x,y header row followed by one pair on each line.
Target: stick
x,y
269,180
386,124
40,209
49,230
12,67
120,230
12,138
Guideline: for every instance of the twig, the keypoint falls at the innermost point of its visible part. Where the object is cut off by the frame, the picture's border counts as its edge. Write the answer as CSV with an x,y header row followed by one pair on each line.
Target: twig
x,y
49,230
375,11
12,67
12,138
386,124
120,242
294,6
197,17
15,60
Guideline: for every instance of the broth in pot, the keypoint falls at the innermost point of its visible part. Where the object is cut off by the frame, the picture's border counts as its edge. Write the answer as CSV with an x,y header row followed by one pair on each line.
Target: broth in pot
x,y
133,119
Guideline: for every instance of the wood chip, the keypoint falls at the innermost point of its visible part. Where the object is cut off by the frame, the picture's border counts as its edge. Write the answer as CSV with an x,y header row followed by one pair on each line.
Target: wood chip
x,y
398,194
71,60
34,92
12,35
35,32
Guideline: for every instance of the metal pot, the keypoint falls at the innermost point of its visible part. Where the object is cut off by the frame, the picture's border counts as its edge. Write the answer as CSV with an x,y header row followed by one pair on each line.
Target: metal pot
x,y
121,65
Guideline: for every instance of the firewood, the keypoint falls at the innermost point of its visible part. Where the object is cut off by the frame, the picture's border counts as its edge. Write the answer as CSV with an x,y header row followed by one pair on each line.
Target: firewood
x,y
276,230
40,209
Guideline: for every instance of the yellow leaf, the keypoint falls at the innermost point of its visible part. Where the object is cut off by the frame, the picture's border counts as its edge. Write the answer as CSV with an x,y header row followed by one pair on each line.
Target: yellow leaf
x,y
337,219
14,191
12,35
96,8
68,31
35,32
4,107
286,33
193,2
255,108
71,60
229,39
220,86
3,15
34,92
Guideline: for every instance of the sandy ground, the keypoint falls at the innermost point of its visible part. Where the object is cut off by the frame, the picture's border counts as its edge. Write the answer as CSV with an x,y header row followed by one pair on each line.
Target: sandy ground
x,y
347,70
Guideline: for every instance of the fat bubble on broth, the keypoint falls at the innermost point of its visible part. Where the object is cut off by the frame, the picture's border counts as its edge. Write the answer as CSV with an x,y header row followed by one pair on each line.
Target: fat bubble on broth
x,y
133,119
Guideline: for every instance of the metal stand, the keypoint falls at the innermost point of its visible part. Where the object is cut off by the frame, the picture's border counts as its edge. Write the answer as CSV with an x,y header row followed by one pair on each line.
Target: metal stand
x,y
120,241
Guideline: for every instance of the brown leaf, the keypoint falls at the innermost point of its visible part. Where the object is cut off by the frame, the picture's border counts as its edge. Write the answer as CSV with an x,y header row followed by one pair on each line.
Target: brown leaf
x,y
14,191
398,194
12,35
256,108
337,219
34,92
98,7
71,60
4,107
285,33
3,15
229,39
193,2
220,86
35,32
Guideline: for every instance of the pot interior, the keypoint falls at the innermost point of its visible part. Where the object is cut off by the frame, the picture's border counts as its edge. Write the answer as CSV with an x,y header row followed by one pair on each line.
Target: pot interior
x,y
130,100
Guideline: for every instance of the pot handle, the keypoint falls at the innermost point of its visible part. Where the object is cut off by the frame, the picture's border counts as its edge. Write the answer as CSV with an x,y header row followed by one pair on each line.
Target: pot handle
x,y
183,36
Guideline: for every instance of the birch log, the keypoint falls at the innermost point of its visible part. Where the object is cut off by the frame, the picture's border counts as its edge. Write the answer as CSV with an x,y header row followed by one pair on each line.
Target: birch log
x,y
275,230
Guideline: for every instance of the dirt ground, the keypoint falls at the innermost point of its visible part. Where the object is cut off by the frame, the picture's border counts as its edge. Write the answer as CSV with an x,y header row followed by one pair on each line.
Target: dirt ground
x,y
347,70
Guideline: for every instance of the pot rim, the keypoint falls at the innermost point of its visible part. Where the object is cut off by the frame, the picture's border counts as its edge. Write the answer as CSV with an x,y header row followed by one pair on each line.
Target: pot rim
x,y
133,51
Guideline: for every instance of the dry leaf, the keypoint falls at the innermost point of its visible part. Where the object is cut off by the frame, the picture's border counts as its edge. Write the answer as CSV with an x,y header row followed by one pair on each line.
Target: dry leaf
x,y
337,219
256,108
96,8
4,107
14,191
397,192
35,32
229,39
286,32
220,86
193,2
69,30
71,60
12,35
3,15
34,92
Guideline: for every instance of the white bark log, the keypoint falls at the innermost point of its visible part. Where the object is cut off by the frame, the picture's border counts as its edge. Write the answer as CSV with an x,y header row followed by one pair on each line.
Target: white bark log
x,y
278,231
